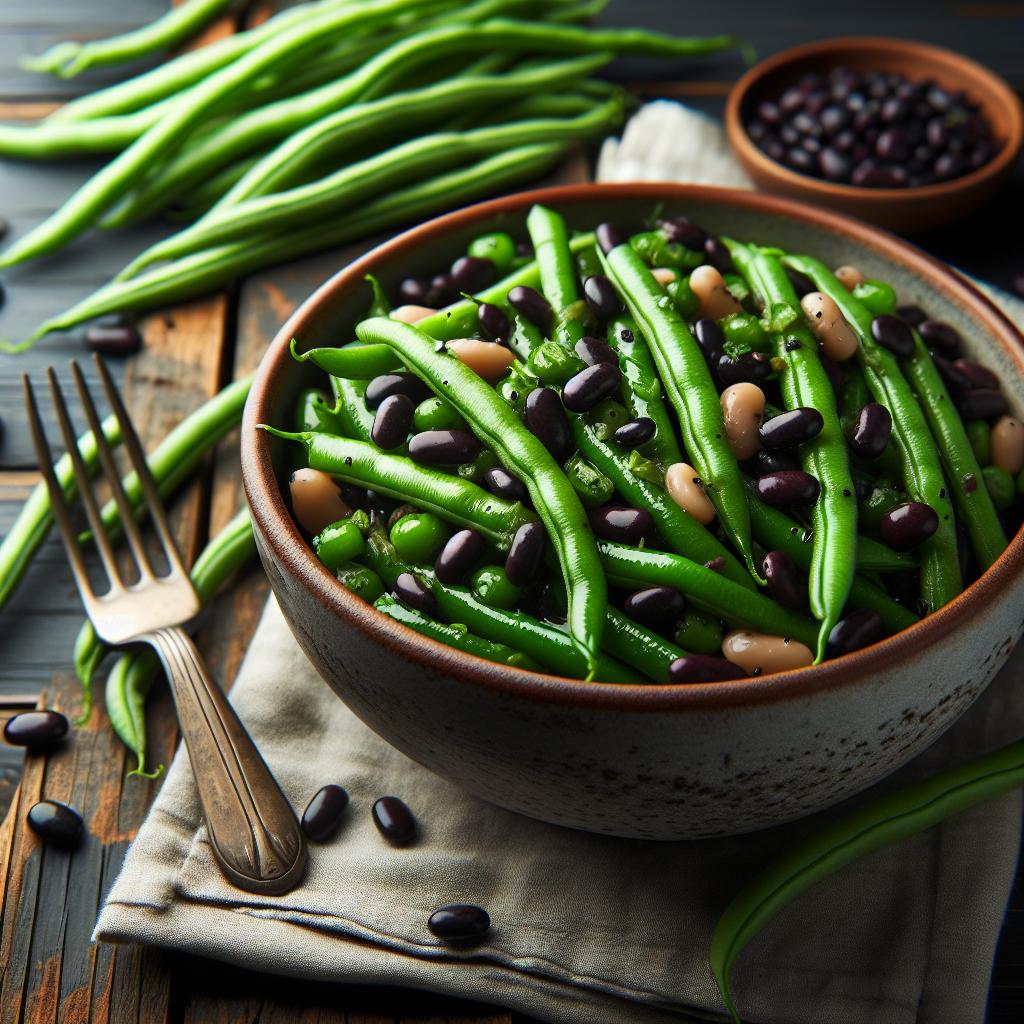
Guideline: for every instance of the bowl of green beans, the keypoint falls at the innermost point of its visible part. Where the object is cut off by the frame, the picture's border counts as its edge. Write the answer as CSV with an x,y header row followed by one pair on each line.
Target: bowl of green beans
x,y
653,510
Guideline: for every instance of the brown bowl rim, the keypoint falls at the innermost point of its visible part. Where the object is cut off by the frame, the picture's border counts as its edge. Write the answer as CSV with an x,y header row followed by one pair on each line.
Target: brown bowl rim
x,y
748,151
292,551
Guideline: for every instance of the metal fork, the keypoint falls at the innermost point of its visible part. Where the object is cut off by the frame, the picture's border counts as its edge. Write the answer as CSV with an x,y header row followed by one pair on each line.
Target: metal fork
x,y
252,827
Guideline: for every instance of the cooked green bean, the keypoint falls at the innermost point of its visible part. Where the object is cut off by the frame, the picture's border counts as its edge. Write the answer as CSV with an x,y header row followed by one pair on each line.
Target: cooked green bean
x,y
550,241
638,647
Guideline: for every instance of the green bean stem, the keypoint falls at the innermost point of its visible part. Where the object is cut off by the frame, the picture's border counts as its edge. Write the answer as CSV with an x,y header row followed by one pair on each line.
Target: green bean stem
x,y
805,383
881,822
691,391
922,469
500,429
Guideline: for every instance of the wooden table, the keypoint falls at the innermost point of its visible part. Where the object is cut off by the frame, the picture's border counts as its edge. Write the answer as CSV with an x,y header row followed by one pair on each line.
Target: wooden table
x,y
49,970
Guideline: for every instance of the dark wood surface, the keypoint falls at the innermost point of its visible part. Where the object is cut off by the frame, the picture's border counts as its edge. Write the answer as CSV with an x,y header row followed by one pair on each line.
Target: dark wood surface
x,y
49,971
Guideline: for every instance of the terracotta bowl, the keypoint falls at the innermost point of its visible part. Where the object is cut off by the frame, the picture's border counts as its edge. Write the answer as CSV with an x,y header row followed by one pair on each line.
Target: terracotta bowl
x,y
662,762
899,209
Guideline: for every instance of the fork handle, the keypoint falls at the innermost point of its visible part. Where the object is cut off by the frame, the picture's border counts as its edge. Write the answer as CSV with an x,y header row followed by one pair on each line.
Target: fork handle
x,y
252,827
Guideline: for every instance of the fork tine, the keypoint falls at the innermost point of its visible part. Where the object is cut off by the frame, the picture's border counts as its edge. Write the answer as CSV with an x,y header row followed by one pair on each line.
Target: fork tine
x,y
130,440
58,504
131,528
92,509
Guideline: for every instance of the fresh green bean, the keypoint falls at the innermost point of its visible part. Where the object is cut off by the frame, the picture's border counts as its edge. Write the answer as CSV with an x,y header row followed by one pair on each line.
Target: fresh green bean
x,y
352,362
350,407
880,822
500,429
550,241
691,391
639,648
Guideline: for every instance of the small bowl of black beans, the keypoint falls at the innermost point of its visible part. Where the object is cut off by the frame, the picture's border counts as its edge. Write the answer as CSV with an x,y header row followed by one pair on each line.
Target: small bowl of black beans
x,y
903,134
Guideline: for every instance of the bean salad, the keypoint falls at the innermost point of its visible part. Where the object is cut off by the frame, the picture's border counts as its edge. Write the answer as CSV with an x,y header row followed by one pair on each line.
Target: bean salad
x,y
650,454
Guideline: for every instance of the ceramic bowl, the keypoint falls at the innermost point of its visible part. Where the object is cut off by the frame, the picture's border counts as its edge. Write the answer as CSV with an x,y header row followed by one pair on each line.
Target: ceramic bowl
x,y
899,209
661,762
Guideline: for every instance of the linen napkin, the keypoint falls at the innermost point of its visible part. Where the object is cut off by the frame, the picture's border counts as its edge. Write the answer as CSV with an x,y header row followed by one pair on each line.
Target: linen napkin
x,y
585,928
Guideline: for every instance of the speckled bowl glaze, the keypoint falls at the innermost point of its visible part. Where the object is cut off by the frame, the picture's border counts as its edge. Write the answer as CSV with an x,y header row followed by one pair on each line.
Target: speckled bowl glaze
x,y
657,762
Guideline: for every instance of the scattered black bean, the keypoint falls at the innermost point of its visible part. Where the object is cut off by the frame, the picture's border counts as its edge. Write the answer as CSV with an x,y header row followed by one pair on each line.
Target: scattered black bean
x,y
609,236
56,824
595,350
591,386
472,273
462,553
700,668
394,820
443,447
442,290
914,315
411,590
750,368
494,325
546,419
892,333
801,282
524,556
975,375
785,583
683,232
982,404
718,256
113,339
870,434
793,427
790,487
502,483
414,291
940,336
322,816
660,608
710,339
460,923
36,729
767,461
635,432
401,383
620,524
392,421
854,631
531,304
908,525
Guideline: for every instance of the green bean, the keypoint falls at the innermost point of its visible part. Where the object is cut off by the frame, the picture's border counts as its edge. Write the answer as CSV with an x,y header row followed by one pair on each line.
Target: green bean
x,y
641,391
880,822
691,391
448,496
500,429
702,634
921,466
979,434
350,408
206,271
679,531
341,191
805,384
592,487
179,24
353,362
637,568
639,648
33,522
282,51
132,675
550,241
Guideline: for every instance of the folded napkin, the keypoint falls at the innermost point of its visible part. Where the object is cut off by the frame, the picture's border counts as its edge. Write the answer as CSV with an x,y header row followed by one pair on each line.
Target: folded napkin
x,y
585,928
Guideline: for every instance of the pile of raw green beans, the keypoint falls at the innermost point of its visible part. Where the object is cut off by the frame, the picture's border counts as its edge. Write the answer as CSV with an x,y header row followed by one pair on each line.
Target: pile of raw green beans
x,y
652,454
331,121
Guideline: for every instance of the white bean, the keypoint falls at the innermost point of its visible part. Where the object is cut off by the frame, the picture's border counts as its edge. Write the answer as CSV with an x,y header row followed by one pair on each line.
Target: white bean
x,y
1008,444
849,277
684,487
410,314
761,653
488,359
836,336
316,500
664,275
715,299
743,411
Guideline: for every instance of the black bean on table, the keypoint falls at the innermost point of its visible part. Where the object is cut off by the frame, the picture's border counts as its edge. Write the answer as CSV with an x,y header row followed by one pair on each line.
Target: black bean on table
x,y
36,729
871,431
609,236
792,427
620,523
502,483
322,816
636,432
400,383
443,447
940,336
462,553
529,302
710,338
595,350
660,608
472,273
784,582
790,487
749,368
601,296
56,824
524,556
854,631
394,820
493,321
982,404
907,525
702,668
460,923
546,420
116,340
587,388
392,421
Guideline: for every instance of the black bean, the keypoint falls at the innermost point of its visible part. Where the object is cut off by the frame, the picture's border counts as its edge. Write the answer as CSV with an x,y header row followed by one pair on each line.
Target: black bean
x,y
834,118
601,296
976,375
635,432
659,608
394,820
836,374
773,147
493,321
893,144
816,102
590,386
56,824
700,668
982,404
801,282
907,525
620,524
892,332
461,554
939,335
414,291
769,112
948,165
895,109
392,421
805,124
36,729
684,233
532,305
401,383
870,434
322,816
758,130
749,368
525,554
716,564
442,290
595,350
443,447
411,590
609,236
546,419
793,427
472,273
835,166
800,160
113,339
460,922
868,174
854,631
914,315
718,256
767,461
710,339
785,584
790,487
844,142
792,99
502,483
